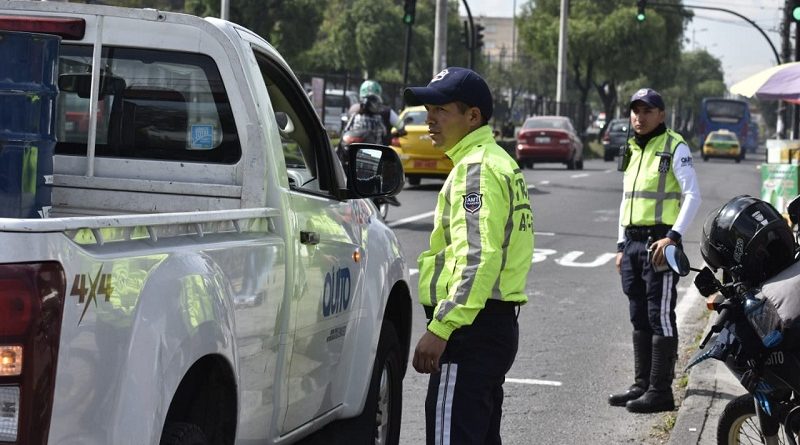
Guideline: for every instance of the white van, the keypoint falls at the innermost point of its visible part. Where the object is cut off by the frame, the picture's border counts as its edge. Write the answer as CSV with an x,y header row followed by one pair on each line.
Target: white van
x,y
337,102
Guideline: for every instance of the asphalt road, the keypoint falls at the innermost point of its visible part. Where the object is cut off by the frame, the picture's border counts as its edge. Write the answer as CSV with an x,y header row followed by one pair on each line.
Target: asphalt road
x,y
574,333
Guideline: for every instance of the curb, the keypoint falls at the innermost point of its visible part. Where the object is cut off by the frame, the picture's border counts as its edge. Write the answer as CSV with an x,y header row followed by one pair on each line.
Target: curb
x,y
709,389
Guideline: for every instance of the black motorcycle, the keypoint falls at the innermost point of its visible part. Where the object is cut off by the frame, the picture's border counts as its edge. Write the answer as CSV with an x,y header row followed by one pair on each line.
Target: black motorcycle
x,y
757,335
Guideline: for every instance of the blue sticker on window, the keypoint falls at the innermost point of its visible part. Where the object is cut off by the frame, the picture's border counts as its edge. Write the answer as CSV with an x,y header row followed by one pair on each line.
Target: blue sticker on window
x,y
202,137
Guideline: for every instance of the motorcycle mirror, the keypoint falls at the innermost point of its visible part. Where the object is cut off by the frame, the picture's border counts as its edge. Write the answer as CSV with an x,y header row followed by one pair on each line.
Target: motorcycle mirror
x,y
793,209
706,282
677,260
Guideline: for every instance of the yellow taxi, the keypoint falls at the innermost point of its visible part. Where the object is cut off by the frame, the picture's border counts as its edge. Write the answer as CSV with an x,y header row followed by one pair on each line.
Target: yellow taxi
x,y
722,144
415,148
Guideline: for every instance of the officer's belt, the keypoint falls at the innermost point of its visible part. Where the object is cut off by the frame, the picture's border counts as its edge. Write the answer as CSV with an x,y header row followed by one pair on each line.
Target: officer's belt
x,y
642,233
491,307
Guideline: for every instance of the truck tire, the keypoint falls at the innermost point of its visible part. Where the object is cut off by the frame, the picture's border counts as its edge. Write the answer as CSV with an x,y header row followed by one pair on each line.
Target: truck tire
x,y
182,433
379,423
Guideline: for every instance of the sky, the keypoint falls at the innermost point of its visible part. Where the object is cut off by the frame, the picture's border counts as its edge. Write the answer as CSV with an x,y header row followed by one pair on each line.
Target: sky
x,y
739,46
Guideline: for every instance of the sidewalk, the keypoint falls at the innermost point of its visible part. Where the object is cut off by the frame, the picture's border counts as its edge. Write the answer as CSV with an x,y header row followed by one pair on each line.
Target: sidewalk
x,y
711,386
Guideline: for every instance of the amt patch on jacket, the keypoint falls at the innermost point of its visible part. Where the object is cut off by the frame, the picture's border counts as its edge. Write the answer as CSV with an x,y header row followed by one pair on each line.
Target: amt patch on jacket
x,y
472,202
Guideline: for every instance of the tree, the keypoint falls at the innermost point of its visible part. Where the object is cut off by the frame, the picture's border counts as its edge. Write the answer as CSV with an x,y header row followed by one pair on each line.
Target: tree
x,y
606,46
699,75
289,25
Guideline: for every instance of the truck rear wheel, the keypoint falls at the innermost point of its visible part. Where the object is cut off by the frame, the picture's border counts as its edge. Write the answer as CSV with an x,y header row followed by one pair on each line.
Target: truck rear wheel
x,y
182,433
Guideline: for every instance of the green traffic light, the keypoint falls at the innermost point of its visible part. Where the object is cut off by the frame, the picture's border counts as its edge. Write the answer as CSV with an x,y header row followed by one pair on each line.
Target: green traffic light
x,y
640,17
796,13
408,19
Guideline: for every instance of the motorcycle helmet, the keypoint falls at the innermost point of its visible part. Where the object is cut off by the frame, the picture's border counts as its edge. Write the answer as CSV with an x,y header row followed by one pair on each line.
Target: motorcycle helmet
x,y
749,238
369,87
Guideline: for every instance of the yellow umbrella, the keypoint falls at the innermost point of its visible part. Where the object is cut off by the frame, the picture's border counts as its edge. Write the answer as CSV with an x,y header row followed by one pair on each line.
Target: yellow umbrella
x,y
779,82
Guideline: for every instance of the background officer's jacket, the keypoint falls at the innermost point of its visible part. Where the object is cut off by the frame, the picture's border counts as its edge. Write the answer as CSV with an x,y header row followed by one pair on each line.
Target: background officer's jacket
x,y
652,193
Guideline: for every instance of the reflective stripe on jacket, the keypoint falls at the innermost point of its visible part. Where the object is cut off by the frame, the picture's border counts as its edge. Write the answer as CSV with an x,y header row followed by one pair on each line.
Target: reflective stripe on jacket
x,y
482,241
652,193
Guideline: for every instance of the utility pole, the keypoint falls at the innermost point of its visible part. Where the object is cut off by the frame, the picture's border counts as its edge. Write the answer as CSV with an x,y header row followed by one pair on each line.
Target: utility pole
x,y
225,9
786,56
470,37
561,80
440,37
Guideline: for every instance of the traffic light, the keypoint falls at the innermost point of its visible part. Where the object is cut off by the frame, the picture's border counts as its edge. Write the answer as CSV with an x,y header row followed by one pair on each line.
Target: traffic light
x,y
640,15
409,8
479,36
795,11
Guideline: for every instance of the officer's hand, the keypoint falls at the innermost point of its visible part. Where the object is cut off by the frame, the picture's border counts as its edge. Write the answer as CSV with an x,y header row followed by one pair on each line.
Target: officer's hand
x,y
619,263
658,250
428,352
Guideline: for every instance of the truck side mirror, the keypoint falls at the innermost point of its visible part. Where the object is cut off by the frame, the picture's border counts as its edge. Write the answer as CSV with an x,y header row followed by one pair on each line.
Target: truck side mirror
x,y
374,170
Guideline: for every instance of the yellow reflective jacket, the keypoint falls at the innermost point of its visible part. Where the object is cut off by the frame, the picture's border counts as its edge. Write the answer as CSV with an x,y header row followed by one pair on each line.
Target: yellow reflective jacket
x,y
652,193
482,241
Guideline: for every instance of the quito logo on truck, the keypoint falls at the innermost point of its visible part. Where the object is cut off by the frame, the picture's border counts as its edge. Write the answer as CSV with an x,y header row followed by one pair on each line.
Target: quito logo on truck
x,y
336,293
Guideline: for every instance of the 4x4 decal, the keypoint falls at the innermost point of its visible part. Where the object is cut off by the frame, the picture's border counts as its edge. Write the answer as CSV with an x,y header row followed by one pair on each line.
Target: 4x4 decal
x,y
99,285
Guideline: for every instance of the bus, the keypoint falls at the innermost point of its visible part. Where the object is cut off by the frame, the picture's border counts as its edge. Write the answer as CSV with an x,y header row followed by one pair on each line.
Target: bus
x,y
717,113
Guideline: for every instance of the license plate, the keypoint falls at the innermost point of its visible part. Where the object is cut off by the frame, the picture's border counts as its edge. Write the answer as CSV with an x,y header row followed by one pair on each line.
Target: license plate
x,y
541,140
424,164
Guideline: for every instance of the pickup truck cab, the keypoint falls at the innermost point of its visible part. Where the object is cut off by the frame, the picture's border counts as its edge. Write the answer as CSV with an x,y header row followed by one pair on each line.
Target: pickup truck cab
x,y
207,272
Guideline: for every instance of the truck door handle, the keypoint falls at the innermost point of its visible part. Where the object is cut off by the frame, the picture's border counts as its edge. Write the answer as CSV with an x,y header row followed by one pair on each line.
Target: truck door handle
x,y
309,237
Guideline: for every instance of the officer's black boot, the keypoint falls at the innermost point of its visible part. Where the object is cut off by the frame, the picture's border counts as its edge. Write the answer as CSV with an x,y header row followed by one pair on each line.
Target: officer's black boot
x,y
642,345
659,395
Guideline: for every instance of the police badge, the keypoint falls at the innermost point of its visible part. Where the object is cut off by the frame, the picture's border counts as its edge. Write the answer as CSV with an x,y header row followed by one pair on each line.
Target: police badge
x,y
472,202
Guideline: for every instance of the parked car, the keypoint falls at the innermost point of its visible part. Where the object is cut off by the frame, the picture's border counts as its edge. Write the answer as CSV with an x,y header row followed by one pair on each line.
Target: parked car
x,y
549,139
722,144
616,135
413,144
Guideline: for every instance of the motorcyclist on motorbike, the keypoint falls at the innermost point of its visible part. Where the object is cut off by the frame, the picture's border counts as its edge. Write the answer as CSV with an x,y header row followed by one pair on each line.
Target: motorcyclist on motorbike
x,y
371,106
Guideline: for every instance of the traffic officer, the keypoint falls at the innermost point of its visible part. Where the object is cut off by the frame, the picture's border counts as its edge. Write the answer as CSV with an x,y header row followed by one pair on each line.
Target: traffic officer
x,y
472,278
661,197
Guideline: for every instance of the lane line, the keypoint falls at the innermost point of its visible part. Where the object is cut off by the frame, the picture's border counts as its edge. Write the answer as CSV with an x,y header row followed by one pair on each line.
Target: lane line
x,y
534,382
402,221
580,175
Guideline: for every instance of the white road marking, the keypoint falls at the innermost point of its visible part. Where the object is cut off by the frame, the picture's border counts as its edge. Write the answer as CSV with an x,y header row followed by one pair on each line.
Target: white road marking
x,y
545,233
400,222
544,182
580,175
534,382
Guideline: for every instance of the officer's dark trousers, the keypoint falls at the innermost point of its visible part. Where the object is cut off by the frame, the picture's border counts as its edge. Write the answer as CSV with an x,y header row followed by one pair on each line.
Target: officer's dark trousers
x,y
651,295
465,400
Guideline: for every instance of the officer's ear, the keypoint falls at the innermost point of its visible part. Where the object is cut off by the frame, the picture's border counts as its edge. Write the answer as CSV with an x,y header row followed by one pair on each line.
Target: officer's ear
x,y
475,117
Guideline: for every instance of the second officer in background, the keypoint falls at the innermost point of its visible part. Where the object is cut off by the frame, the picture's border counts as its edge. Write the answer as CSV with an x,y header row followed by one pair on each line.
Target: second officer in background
x,y
661,198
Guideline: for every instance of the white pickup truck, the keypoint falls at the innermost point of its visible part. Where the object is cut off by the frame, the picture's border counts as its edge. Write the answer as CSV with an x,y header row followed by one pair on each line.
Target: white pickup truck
x,y
207,271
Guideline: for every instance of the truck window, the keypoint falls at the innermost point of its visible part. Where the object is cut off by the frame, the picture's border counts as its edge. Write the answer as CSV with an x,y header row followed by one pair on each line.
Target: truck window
x,y
308,156
171,106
